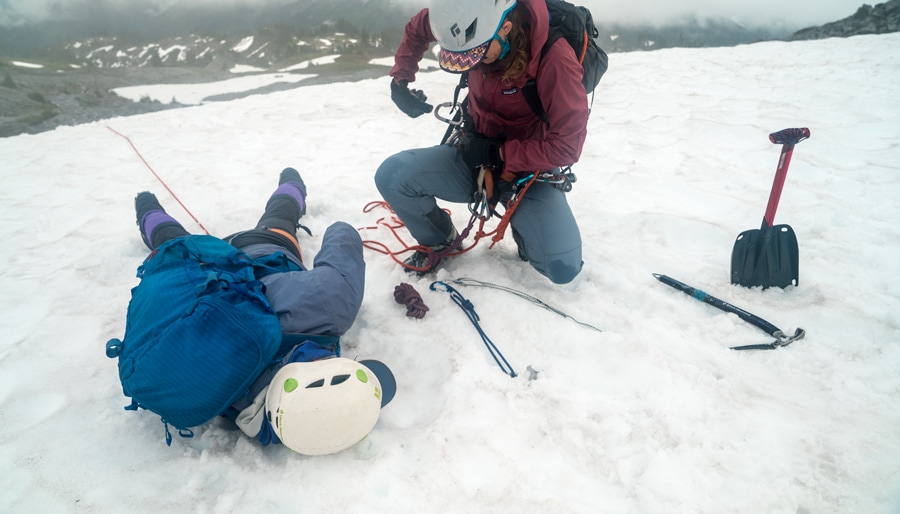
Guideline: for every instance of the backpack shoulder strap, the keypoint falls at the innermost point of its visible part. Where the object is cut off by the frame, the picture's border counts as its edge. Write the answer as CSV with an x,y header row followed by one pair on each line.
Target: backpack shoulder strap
x,y
530,89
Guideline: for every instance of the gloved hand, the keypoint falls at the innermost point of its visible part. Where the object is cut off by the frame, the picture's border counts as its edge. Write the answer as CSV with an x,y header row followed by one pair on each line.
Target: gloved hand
x,y
410,101
481,151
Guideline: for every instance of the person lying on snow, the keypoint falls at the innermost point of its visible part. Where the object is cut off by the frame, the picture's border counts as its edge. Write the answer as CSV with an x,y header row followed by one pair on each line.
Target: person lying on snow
x,y
292,385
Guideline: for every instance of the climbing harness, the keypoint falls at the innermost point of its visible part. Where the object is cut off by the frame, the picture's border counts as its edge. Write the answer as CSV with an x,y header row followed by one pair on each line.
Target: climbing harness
x,y
477,283
469,309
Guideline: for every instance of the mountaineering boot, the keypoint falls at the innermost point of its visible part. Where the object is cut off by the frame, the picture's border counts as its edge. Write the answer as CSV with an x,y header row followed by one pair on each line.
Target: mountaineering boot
x,y
151,217
291,177
287,204
418,262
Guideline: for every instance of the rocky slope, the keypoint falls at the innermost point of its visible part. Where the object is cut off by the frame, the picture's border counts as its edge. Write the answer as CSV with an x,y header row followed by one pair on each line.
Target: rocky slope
x,y
34,100
881,19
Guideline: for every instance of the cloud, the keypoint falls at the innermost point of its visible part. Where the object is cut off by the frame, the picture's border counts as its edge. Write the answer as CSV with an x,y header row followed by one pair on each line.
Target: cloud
x,y
19,12
795,12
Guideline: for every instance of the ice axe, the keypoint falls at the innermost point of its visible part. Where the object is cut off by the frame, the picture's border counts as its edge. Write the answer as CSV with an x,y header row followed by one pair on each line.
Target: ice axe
x,y
781,339
769,256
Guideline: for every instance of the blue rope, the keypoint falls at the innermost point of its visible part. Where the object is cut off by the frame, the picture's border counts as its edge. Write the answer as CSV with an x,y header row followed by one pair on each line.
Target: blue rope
x,y
469,309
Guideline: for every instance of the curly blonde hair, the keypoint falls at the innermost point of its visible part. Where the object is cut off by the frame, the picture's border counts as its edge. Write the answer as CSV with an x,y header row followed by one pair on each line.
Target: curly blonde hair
x,y
519,43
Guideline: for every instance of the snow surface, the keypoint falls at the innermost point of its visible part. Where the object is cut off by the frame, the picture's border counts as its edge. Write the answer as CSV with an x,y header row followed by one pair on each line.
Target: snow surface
x,y
654,415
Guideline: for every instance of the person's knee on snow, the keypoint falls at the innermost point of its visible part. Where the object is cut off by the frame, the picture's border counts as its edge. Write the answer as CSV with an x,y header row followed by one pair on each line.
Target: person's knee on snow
x,y
559,268
562,272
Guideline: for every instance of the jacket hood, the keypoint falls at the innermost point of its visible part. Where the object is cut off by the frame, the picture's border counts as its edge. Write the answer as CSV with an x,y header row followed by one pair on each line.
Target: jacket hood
x,y
540,29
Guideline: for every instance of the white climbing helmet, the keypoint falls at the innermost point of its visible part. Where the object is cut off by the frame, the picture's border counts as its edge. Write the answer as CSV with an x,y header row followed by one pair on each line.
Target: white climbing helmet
x,y
465,28
326,406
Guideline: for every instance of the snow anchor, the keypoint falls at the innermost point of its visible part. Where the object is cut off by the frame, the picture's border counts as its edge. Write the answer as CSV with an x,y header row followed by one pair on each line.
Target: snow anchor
x,y
477,283
469,309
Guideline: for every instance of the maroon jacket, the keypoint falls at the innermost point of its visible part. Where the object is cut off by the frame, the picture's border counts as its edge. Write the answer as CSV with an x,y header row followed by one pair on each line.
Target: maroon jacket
x,y
502,111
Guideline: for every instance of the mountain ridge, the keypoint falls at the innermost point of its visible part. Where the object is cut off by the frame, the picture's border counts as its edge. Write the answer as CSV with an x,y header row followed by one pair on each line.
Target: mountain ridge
x,y
75,81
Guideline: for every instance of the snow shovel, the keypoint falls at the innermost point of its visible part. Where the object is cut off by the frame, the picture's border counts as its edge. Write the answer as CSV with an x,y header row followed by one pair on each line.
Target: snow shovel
x,y
769,256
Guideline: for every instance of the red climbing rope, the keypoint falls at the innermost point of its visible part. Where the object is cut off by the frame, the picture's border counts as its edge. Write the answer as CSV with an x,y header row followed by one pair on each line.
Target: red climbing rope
x,y
126,138
392,223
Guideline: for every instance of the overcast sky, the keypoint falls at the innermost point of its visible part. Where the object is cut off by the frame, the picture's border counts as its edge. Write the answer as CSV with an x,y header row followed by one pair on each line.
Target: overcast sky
x,y
801,12
796,12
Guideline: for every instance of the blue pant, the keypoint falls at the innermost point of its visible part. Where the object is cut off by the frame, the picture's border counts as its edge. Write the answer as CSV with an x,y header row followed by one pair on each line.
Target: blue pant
x,y
411,180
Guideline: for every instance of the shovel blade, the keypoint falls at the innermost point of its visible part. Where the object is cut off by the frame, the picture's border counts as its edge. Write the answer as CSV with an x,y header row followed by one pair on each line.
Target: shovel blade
x,y
767,257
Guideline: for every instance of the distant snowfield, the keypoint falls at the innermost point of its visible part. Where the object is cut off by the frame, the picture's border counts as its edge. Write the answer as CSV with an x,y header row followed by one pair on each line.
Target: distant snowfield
x,y
23,64
319,61
655,415
195,94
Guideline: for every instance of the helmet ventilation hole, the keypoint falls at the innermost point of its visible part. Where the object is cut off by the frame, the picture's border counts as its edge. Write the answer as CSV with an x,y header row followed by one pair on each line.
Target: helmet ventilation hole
x,y
339,379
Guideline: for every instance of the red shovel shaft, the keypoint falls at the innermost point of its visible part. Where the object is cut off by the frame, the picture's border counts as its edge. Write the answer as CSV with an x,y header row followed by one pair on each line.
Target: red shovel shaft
x,y
777,186
787,138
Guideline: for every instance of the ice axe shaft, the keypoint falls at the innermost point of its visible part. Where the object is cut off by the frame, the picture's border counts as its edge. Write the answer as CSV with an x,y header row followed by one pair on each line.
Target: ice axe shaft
x,y
780,338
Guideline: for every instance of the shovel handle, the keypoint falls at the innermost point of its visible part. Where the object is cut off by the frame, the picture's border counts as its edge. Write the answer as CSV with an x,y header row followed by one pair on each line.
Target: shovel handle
x,y
787,138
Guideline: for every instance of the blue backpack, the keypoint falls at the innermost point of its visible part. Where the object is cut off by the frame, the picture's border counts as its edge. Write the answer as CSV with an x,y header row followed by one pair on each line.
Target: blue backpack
x,y
198,333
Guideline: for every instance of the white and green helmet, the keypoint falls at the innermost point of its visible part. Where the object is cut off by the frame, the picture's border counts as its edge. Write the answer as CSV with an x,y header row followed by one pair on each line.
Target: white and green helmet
x,y
325,406
465,28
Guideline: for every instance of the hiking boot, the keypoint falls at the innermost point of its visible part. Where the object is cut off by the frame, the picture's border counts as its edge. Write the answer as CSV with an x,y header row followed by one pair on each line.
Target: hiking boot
x,y
155,225
418,263
145,203
292,177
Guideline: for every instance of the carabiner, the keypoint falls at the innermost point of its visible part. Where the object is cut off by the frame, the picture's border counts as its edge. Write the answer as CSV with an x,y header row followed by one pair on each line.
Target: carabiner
x,y
448,121
440,286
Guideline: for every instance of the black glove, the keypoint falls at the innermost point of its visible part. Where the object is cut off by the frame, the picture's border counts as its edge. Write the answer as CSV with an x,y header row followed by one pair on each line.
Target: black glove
x,y
410,101
481,151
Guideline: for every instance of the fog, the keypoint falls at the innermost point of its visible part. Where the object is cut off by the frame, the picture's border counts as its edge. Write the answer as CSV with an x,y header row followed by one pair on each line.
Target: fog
x,y
799,13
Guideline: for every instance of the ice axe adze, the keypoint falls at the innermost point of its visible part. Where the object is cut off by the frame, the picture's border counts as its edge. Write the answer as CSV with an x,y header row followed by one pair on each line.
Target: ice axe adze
x,y
769,256
781,339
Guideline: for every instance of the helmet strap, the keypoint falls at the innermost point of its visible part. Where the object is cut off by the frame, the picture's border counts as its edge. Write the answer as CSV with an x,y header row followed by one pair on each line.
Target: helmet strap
x,y
504,46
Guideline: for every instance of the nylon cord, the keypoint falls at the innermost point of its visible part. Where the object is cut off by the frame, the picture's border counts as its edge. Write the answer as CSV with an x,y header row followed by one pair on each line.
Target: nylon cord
x,y
126,138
